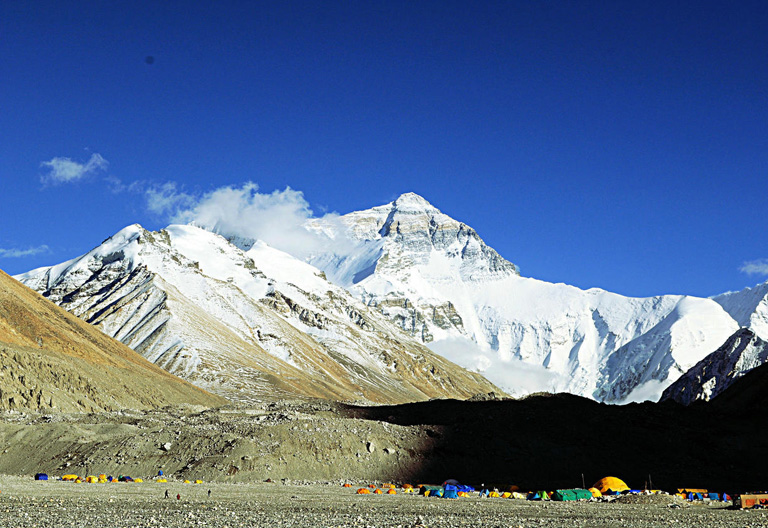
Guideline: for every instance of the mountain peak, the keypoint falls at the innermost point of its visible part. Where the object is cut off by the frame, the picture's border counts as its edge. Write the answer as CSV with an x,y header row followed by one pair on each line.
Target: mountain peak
x,y
412,201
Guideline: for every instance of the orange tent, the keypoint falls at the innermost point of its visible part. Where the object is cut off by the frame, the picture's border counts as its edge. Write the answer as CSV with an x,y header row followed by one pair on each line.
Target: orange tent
x,y
347,485
363,491
608,484
391,491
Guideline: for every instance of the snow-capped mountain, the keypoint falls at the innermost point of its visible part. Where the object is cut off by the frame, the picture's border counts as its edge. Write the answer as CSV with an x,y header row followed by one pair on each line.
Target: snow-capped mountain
x,y
400,277
435,278
742,352
749,307
245,324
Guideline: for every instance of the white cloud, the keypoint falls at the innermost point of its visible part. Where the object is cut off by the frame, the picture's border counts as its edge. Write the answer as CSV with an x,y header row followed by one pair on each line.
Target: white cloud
x,y
514,376
168,200
65,170
277,218
18,253
755,267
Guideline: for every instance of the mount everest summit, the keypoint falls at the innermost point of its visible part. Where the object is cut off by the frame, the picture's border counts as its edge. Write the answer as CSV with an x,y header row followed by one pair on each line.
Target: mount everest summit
x,y
358,319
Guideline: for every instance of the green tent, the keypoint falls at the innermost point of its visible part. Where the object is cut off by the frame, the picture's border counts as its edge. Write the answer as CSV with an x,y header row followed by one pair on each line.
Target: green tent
x,y
571,494
432,491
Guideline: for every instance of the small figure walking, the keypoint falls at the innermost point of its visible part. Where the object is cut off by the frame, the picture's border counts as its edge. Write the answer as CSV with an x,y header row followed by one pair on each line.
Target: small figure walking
x,y
178,496
209,494
166,494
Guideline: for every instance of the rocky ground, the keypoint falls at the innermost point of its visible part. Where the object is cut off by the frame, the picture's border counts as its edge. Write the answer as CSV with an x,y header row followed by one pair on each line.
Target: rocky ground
x,y
25,503
546,442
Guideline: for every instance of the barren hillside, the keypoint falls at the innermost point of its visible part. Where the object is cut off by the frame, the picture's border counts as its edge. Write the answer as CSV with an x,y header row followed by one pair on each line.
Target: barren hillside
x,y
53,360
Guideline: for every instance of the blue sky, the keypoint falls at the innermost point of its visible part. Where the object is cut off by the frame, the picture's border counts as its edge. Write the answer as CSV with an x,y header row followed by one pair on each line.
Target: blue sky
x,y
621,145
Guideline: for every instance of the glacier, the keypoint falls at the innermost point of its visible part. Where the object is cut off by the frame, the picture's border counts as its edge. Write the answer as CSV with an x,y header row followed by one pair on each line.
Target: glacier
x,y
436,278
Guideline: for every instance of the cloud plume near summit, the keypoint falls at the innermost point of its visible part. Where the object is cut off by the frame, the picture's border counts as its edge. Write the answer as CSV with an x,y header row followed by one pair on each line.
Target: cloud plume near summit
x,y
242,212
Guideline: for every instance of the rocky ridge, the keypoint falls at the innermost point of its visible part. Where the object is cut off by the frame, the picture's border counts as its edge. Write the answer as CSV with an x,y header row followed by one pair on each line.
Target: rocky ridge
x,y
51,360
435,278
245,324
742,352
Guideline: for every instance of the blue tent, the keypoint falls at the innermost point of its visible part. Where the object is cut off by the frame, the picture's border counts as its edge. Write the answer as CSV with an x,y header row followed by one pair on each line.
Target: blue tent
x,y
41,476
450,492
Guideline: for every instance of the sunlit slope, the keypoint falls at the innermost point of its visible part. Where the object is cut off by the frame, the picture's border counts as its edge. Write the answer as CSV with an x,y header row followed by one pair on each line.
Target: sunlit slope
x,y
52,359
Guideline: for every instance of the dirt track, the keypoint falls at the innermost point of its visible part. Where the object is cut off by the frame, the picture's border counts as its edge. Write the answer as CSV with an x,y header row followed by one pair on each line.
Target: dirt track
x,y
26,503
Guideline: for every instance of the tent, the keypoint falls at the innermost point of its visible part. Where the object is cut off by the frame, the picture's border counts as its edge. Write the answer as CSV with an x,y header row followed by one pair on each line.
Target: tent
x,y
595,492
538,495
571,494
610,485
450,491
363,491
431,491
41,476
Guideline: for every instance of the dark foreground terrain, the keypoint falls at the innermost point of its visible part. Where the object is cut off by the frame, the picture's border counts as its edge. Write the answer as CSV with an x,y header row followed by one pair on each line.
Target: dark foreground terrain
x,y
541,442
25,503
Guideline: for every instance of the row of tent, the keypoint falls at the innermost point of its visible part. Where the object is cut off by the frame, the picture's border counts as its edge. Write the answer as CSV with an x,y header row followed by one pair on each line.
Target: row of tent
x,y
103,479
452,489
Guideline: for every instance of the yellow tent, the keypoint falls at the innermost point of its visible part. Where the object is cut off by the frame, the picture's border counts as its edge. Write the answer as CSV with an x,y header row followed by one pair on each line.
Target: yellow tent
x,y
69,477
595,492
607,484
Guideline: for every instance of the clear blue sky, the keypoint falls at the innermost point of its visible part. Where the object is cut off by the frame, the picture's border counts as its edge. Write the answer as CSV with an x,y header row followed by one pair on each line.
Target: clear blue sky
x,y
622,145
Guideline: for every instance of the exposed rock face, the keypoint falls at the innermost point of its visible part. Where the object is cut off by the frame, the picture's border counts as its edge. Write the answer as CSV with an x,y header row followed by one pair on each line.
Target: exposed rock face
x,y
52,360
245,324
437,280
742,352
749,307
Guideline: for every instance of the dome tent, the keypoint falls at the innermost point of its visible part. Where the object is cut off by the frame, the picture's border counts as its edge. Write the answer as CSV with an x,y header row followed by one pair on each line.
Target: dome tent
x,y
610,484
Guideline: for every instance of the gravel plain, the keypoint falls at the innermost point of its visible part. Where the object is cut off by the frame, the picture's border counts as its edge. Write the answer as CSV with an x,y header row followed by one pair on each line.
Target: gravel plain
x,y
27,503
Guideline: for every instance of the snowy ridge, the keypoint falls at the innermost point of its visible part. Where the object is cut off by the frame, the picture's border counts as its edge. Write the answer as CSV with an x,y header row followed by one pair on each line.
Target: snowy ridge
x,y
354,321
435,278
197,305
749,307
742,352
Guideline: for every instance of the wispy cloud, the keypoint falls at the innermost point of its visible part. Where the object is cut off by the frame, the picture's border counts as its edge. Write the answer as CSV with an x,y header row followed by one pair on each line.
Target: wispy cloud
x,y
18,253
168,200
66,170
755,267
277,218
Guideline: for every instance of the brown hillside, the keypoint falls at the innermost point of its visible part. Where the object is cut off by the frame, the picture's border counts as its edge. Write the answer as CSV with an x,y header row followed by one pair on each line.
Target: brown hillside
x,y
52,359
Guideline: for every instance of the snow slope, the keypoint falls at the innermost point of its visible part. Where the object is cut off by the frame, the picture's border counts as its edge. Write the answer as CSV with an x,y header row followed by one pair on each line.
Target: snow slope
x,y
436,278
245,324
742,352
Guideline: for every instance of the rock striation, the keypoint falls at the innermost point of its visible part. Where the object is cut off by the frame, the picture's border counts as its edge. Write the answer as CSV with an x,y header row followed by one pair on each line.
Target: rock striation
x,y
51,360
741,353
245,324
